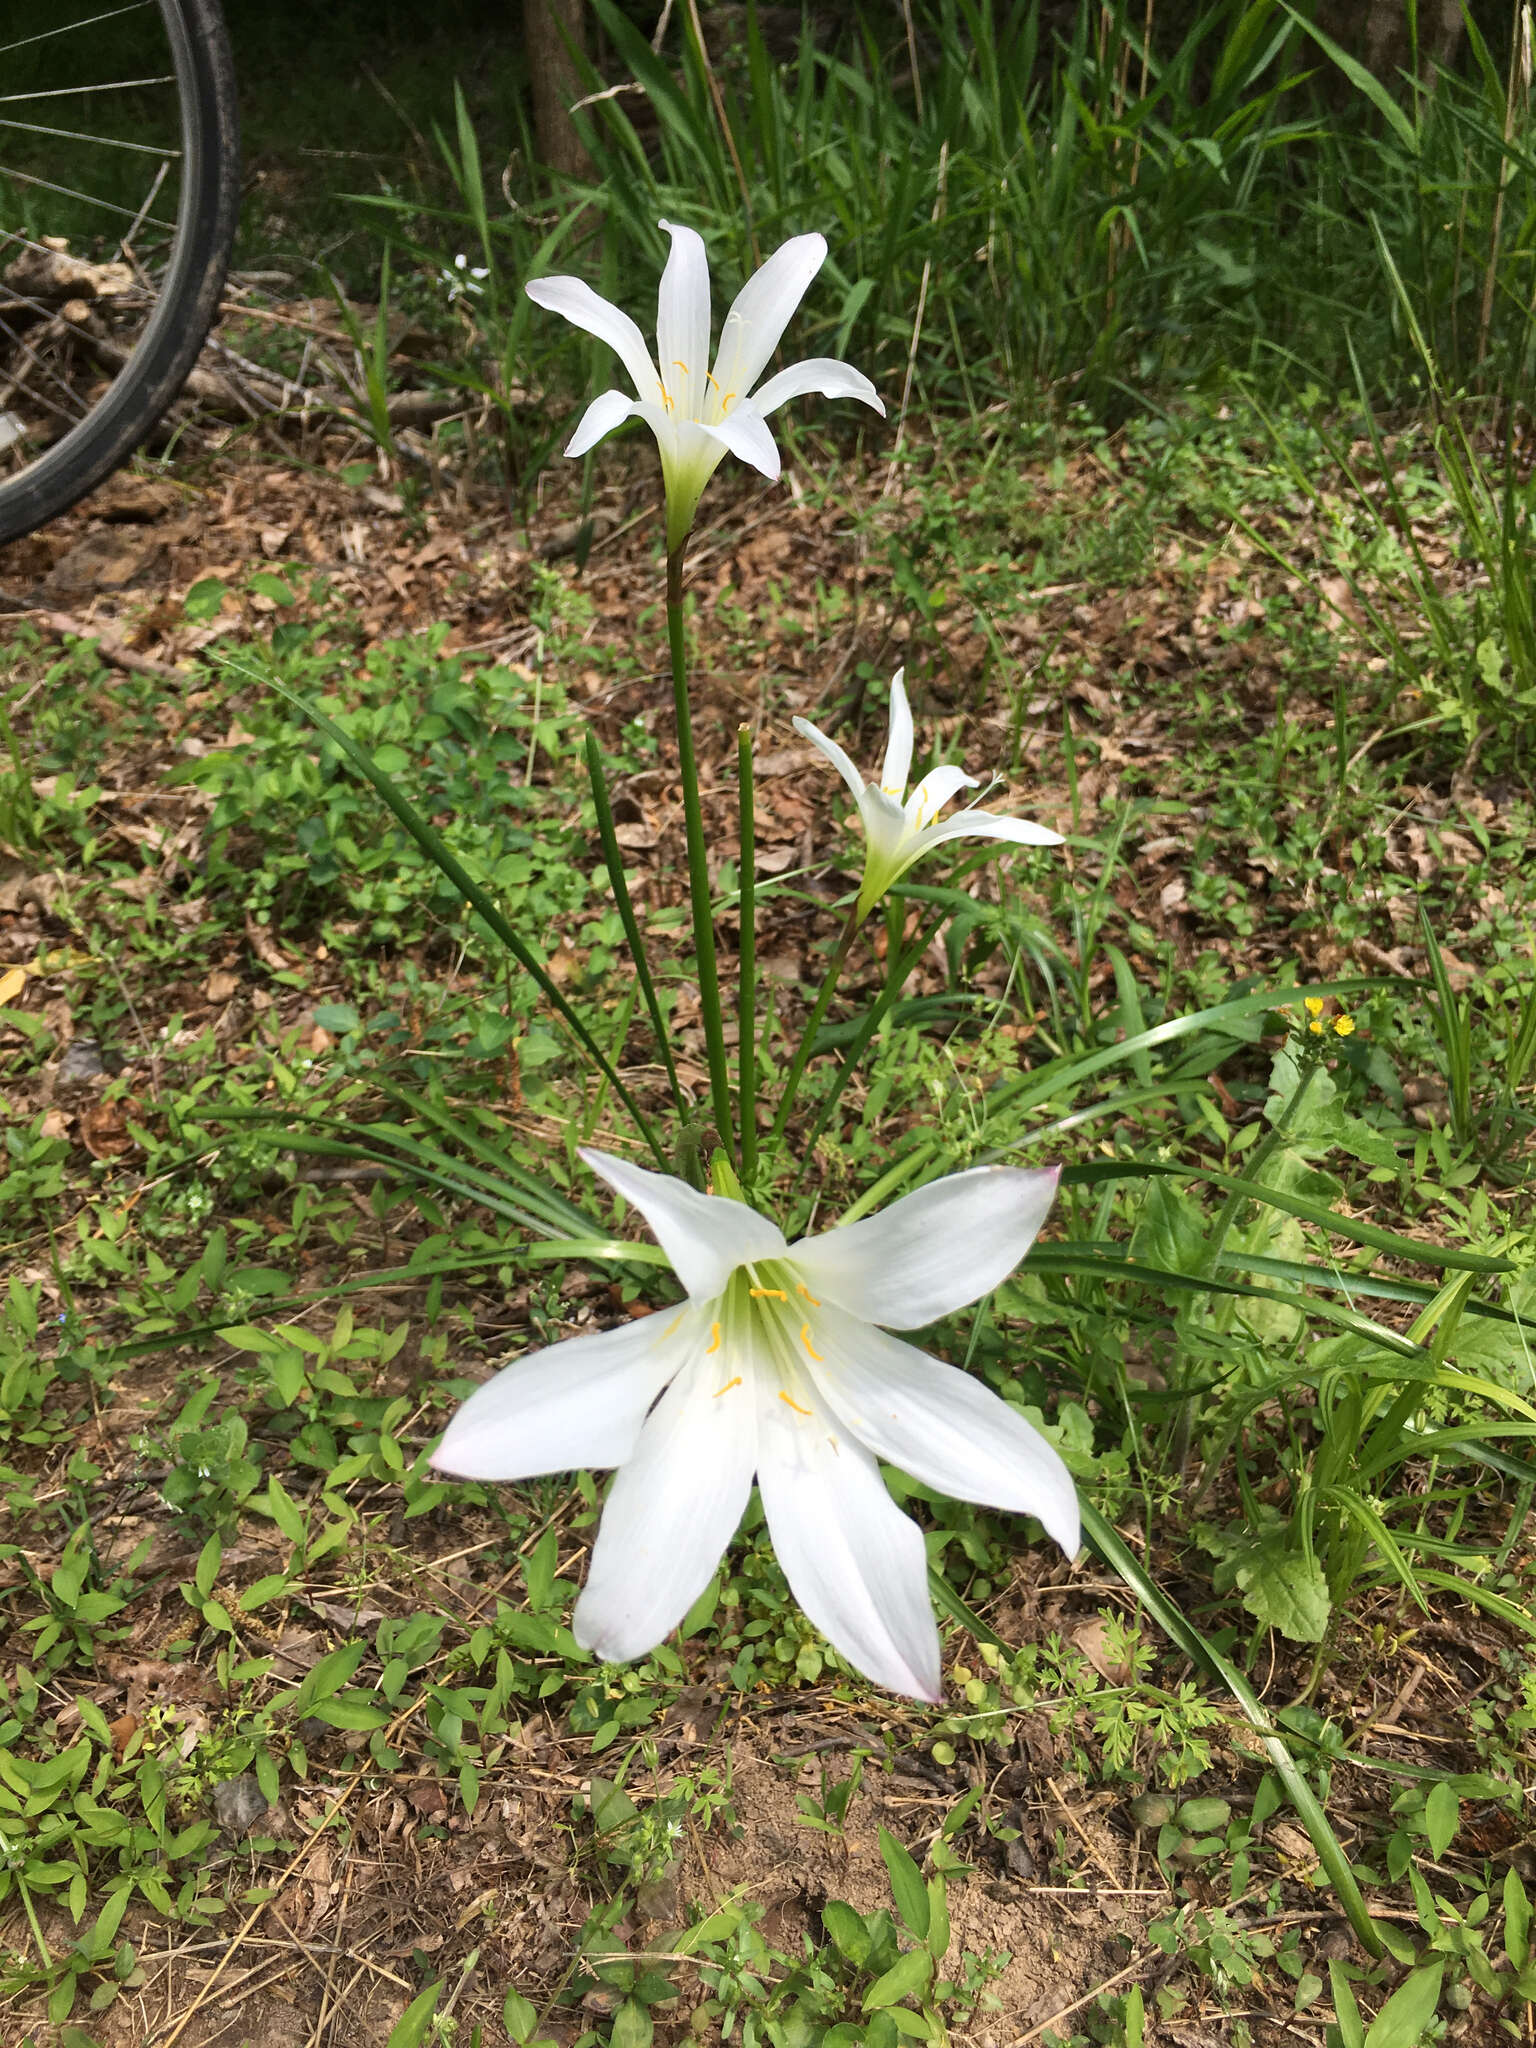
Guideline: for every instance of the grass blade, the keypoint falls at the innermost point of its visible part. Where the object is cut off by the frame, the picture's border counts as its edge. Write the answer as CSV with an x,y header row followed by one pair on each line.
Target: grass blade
x,y
1108,1546
433,846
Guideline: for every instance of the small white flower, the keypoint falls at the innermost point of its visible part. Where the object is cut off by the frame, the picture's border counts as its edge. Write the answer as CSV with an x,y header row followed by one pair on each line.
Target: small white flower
x,y
696,413
775,1366
462,282
899,829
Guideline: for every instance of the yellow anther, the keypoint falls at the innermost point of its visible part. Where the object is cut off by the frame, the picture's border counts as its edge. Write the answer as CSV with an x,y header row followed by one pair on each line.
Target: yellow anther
x,y
1344,1026
795,1405
805,1339
709,378
801,1288
727,1387
714,1339
679,366
726,400
1314,1006
767,1294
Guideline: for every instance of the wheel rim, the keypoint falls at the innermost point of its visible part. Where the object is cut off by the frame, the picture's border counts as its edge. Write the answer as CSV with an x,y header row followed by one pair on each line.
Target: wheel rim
x,y
77,322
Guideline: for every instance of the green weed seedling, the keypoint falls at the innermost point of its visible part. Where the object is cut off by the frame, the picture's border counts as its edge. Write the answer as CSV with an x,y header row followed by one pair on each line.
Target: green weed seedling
x,y
871,1980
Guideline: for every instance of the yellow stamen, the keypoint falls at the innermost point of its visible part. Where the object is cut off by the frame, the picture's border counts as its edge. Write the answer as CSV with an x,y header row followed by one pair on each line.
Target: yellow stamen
x,y
795,1405
767,1293
714,1339
727,1387
726,400
1314,1006
805,1339
803,1289
679,366
709,378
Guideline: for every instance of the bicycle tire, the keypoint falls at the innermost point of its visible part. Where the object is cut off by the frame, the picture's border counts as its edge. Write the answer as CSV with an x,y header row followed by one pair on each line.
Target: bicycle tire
x,y
207,215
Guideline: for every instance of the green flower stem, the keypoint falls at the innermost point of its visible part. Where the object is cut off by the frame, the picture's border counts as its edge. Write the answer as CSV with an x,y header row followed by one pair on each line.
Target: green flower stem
x,y
746,960
614,857
813,1024
698,862
895,980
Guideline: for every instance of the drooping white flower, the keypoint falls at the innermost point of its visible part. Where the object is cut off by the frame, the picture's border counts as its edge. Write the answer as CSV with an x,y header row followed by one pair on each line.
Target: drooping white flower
x,y
696,413
775,1366
899,829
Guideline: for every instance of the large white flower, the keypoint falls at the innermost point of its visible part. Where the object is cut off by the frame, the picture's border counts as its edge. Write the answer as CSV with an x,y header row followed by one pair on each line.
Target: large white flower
x,y
697,413
899,829
775,1366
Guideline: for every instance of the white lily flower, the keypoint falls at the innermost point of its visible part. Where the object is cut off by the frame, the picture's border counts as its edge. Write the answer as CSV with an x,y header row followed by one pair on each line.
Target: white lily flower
x,y
696,413
775,1366
899,829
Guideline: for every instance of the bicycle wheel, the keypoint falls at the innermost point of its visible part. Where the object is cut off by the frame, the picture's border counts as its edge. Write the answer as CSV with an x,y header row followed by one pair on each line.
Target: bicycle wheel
x,y
119,193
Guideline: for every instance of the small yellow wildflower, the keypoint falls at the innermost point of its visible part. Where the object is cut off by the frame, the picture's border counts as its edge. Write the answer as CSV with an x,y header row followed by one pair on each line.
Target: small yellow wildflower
x,y
1343,1026
1315,1027
1314,1006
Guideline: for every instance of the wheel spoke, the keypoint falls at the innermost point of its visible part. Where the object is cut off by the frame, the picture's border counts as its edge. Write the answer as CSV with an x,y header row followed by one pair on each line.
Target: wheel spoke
x,y
69,28
74,409
80,135
70,192
64,92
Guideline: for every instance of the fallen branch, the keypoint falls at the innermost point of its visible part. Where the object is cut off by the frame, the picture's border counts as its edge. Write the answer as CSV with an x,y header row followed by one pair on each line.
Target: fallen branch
x,y
60,626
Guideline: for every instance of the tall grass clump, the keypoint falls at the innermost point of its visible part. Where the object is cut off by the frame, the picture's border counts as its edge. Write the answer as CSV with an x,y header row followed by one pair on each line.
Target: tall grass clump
x,y
1130,208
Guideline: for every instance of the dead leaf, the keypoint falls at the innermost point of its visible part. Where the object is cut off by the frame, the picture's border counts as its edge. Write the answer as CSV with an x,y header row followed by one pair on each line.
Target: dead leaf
x,y
1092,1640
18,890
221,985
264,946
785,761
104,1130
12,982
104,561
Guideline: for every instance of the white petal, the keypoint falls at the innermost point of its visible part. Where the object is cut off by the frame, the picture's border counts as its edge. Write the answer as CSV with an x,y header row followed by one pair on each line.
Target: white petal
x,y
704,1236
607,411
682,321
833,752
583,308
885,828
942,1426
853,1560
670,1513
745,432
577,1403
987,825
933,1251
822,374
934,792
763,309
898,747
